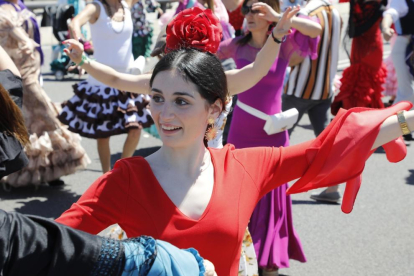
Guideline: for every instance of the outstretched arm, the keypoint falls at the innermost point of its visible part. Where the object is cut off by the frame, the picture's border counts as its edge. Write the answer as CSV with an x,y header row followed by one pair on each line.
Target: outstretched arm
x,y
240,80
60,250
107,75
391,130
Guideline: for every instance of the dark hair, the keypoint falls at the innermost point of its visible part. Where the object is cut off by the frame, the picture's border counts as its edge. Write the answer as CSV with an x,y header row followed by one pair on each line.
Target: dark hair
x,y
201,68
11,118
274,4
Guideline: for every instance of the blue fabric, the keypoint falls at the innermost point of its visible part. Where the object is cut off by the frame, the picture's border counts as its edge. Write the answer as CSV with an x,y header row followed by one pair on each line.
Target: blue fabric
x,y
172,261
140,254
145,256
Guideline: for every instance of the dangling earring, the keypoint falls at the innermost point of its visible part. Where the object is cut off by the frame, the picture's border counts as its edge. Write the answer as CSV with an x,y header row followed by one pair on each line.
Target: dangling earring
x,y
211,131
210,121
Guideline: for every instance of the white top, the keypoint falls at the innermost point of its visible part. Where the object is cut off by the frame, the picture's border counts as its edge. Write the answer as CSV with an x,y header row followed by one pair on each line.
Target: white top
x,y
112,40
397,9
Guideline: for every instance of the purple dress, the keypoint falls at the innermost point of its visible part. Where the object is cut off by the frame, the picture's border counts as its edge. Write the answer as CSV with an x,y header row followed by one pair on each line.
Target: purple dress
x,y
275,239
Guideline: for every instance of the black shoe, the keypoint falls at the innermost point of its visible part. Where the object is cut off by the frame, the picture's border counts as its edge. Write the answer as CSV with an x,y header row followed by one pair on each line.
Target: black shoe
x,y
56,182
408,137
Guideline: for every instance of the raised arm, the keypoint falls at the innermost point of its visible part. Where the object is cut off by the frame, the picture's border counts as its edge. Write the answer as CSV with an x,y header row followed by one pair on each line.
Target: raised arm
x,y
240,80
105,74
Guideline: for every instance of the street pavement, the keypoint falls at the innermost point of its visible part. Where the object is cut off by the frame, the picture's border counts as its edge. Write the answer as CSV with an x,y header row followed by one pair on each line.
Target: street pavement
x,y
377,238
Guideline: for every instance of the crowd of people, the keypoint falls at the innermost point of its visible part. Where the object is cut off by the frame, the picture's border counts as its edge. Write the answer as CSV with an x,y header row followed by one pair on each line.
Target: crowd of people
x,y
232,82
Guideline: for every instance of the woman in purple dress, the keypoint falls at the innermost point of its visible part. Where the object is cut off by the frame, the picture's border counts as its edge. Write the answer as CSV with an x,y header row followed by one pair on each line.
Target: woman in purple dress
x,y
271,226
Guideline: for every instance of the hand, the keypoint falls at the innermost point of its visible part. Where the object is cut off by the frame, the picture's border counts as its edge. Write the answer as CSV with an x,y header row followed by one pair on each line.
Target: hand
x,y
266,12
387,33
159,47
210,270
75,52
283,26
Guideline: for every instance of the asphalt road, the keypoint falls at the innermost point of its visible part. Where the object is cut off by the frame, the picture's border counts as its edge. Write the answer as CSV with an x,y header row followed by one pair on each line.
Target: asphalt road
x,y
377,238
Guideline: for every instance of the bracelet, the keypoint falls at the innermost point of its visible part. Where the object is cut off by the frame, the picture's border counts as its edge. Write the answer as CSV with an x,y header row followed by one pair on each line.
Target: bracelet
x,y
84,59
403,123
277,40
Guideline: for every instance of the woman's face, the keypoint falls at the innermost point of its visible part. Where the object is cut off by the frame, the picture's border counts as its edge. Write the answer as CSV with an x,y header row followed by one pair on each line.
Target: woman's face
x,y
254,22
179,112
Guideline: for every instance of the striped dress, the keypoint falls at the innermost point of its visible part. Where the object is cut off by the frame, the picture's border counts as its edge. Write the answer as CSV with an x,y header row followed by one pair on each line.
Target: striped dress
x,y
313,79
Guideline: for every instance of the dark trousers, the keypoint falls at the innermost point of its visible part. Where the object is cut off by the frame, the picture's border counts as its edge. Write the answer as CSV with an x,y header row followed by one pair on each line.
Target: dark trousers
x,y
318,111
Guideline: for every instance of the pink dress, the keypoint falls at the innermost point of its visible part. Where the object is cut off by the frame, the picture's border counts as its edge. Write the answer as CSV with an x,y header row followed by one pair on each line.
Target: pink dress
x,y
271,225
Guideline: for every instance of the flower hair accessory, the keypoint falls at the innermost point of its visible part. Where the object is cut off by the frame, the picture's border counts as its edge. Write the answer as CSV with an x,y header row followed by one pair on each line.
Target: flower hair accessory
x,y
194,28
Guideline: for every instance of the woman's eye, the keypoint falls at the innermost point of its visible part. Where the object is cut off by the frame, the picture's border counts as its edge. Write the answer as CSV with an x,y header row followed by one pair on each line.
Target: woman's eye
x,y
157,99
181,102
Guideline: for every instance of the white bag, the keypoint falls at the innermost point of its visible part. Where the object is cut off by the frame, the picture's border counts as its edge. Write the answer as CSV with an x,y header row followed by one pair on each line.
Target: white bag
x,y
274,123
138,66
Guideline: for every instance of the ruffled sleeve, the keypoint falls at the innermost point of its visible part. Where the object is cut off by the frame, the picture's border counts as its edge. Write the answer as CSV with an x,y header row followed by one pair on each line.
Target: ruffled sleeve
x,y
336,156
199,260
10,19
300,44
339,153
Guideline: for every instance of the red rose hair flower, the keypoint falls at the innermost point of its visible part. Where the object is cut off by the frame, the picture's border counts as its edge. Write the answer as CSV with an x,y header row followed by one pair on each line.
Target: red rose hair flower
x,y
194,28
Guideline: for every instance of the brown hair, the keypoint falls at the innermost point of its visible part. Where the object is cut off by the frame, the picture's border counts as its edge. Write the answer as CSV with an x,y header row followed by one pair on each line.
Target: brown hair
x,y
274,4
11,118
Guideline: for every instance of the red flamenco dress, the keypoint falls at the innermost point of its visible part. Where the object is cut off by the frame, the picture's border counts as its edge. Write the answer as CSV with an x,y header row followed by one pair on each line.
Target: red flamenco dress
x,y
362,82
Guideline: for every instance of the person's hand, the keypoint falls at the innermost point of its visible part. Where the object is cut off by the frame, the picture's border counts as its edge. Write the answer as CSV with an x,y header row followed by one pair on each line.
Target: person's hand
x,y
159,47
209,267
283,26
388,33
75,52
266,12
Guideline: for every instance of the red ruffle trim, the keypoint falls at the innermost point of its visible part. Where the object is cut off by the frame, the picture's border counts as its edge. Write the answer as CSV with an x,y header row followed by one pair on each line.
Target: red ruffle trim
x,y
362,86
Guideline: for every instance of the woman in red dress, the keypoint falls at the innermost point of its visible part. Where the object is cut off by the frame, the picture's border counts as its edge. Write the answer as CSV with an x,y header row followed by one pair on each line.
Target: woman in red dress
x,y
362,82
194,196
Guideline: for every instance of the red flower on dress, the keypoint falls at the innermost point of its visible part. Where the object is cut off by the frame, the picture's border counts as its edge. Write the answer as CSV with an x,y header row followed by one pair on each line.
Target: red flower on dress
x,y
194,28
